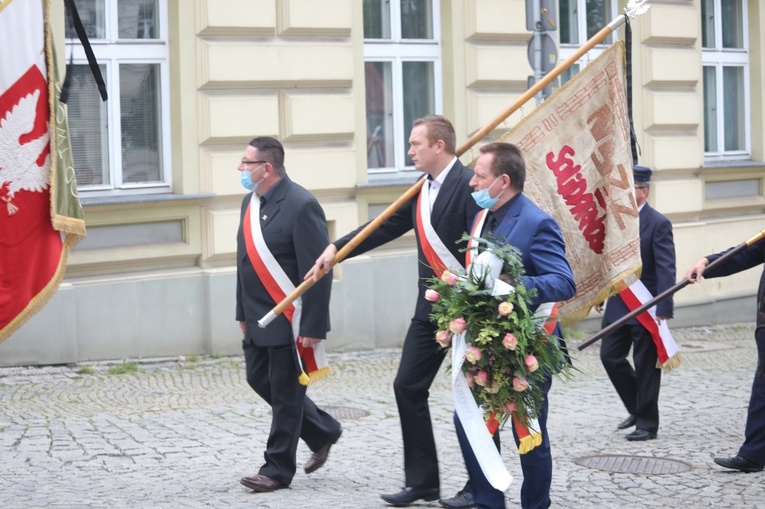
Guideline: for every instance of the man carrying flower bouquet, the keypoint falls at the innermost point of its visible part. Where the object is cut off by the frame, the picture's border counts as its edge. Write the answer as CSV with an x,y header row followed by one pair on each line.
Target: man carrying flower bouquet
x,y
439,215
500,173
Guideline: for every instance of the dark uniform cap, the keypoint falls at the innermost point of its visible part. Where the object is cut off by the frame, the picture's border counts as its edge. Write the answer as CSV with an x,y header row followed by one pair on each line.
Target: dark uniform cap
x,y
642,174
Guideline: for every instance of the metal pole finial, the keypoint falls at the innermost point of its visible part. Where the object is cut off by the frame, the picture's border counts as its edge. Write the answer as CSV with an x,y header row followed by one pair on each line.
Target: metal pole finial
x,y
636,8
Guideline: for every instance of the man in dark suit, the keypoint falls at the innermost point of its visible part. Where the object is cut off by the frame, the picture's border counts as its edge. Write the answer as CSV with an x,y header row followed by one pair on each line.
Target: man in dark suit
x,y
450,210
500,174
751,455
638,387
282,231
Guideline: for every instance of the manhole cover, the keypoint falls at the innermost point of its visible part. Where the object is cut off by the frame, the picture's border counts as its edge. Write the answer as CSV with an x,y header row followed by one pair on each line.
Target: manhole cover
x,y
344,412
633,464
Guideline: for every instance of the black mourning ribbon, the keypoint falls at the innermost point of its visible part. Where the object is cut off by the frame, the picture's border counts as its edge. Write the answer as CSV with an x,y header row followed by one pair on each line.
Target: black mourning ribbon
x,y
74,16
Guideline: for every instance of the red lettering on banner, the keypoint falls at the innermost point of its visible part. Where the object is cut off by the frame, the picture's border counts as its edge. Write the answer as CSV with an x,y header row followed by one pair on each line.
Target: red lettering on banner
x,y
602,129
572,186
550,122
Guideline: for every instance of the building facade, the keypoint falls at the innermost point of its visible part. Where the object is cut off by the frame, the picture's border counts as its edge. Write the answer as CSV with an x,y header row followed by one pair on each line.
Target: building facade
x,y
339,83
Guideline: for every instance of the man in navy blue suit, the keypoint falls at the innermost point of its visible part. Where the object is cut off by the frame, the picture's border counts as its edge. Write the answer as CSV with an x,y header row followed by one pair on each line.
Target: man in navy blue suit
x,y
751,455
500,173
638,387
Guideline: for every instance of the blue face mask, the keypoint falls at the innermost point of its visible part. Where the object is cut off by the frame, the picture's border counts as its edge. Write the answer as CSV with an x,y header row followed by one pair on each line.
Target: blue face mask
x,y
483,199
245,177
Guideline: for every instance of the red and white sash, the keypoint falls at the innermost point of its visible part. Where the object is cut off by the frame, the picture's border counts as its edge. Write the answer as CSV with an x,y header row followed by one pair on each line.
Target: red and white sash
x,y
313,361
666,349
436,253
472,250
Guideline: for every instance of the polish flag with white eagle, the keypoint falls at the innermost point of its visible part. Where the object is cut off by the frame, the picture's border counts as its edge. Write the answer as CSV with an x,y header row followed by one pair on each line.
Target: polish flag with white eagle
x,y
32,251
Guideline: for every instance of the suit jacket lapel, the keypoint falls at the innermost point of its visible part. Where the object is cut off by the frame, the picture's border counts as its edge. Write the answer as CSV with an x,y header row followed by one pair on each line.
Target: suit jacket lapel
x,y
272,207
508,222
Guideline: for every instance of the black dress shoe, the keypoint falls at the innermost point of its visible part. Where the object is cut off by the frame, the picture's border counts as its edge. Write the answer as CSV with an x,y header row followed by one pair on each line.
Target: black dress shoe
x,y
462,500
640,435
628,422
409,495
318,458
739,463
262,484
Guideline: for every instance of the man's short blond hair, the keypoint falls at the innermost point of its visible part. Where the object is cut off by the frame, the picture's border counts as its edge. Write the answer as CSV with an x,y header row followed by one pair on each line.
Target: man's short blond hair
x,y
439,128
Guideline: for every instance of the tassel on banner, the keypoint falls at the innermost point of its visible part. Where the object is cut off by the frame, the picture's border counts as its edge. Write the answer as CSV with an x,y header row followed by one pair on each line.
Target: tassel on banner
x,y
315,376
528,437
671,363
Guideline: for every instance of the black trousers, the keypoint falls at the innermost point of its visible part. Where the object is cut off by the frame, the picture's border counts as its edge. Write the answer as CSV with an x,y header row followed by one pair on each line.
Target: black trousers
x,y
273,373
754,434
421,359
637,387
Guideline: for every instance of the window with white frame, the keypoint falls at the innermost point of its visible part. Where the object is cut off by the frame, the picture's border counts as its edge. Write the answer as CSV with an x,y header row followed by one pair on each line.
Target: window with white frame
x,y
725,59
402,64
578,21
121,145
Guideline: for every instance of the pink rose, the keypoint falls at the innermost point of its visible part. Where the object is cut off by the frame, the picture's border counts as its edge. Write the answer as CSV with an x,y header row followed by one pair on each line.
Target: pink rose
x,y
531,363
505,308
431,295
519,384
470,380
449,278
481,378
457,325
510,341
510,407
443,338
472,354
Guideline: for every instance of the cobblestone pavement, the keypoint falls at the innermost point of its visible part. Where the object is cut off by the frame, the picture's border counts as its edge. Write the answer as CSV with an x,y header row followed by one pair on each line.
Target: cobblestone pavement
x,y
180,433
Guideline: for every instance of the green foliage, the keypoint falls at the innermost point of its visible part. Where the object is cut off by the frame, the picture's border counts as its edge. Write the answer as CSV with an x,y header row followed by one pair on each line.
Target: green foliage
x,y
124,368
496,371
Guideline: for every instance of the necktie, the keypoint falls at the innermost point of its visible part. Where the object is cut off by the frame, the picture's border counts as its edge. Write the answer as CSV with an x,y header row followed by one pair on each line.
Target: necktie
x,y
491,224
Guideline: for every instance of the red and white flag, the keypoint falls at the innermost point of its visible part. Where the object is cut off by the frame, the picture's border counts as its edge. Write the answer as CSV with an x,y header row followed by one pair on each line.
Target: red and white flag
x,y
37,230
667,352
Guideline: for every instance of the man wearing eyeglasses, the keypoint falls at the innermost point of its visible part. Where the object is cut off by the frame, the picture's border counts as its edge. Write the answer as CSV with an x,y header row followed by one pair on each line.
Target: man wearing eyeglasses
x,y
282,231
638,387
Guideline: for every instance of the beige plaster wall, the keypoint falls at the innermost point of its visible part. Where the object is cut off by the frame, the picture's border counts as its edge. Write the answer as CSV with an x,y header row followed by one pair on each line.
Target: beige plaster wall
x,y
282,68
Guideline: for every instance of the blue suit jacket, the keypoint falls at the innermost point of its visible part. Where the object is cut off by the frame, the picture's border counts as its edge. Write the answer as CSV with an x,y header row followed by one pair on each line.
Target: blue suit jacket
x,y
657,250
543,252
746,259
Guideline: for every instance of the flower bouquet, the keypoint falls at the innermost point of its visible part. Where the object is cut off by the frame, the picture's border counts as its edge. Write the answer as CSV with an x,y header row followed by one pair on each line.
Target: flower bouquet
x,y
509,350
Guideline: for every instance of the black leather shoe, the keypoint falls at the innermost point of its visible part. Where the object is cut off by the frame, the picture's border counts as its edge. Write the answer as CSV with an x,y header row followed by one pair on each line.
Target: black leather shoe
x,y
628,422
409,495
739,463
640,435
462,500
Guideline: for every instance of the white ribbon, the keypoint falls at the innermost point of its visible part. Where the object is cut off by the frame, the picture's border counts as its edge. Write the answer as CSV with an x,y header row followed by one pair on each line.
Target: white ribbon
x,y
446,256
471,418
